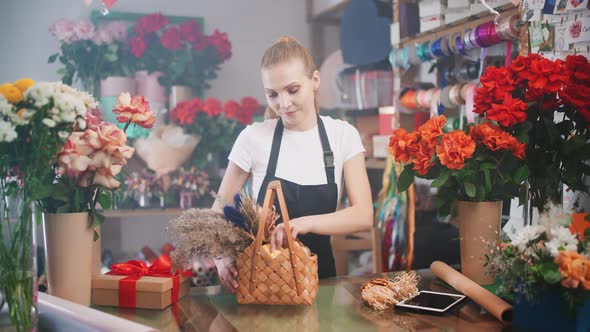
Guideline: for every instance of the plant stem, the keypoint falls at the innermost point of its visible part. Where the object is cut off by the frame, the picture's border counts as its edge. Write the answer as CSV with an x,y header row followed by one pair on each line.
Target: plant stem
x,y
126,126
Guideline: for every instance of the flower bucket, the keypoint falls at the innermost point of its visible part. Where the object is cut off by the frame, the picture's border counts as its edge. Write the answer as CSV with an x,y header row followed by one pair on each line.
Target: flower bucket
x,y
479,224
68,252
549,313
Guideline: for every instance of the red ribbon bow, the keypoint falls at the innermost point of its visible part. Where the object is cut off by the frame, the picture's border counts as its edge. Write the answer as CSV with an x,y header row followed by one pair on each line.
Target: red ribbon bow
x,y
134,269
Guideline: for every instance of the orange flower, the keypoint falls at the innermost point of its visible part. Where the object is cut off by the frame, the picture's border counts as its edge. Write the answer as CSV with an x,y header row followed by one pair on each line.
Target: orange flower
x,y
136,110
423,157
454,148
496,139
574,268
402,146
432,129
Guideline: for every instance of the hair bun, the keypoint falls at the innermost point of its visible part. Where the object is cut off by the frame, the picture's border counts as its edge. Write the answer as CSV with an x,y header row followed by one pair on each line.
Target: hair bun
x,y
286,39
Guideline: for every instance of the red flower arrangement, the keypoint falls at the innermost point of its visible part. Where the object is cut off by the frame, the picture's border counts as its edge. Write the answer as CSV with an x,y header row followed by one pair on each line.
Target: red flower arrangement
x,y
547,105
183,52
217,124
482,163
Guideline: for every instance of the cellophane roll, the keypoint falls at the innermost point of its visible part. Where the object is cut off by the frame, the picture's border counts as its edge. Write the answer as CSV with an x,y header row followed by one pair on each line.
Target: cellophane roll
x,y
490,302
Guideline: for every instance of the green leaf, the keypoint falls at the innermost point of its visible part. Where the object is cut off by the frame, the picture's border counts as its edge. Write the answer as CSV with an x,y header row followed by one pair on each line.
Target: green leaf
x,y
95,236
587,218
469,189
41,191
486,166
441,180
521,174
551,273
406,178
52,58
105,199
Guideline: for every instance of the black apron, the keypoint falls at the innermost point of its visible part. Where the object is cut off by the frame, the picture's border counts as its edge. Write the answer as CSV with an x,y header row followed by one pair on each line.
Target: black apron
x,y
306,200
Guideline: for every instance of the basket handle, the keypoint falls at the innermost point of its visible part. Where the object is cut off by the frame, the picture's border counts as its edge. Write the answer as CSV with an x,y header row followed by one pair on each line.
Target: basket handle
x,y
274,188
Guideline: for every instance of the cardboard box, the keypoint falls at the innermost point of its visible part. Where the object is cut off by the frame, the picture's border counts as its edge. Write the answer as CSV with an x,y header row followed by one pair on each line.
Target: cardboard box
x,y
150,292
381,146
430,22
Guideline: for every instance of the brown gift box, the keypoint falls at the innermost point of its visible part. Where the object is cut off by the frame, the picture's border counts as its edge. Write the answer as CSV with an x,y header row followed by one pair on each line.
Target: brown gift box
x,y
150,292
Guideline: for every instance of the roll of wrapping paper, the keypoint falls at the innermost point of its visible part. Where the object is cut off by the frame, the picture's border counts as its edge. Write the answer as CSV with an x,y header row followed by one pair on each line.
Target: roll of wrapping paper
x,y
490,302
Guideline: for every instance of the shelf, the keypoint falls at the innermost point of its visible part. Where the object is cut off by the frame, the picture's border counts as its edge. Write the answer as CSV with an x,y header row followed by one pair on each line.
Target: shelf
x,y
142,213
458,26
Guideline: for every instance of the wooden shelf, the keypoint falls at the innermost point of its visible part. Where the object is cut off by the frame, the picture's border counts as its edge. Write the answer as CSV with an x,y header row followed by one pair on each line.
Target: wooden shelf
x,y
458,26
142,213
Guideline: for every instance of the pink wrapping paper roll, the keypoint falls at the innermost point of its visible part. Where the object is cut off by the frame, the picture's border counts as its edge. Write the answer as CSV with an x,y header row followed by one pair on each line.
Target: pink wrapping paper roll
x,y
490,302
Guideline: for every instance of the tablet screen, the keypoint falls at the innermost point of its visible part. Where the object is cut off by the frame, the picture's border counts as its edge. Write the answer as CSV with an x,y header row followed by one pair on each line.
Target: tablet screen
x,y
432,300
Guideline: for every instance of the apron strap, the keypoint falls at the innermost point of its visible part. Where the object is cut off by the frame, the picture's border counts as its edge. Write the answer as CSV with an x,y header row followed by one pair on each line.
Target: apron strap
x,y
274,150
327,151
328,154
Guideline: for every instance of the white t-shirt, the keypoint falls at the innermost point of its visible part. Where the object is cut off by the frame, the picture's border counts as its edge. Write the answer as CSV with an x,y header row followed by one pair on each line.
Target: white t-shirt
x,y
300,158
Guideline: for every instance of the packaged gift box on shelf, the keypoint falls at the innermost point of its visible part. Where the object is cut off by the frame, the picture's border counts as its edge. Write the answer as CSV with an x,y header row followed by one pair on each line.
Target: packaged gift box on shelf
x,y
134,284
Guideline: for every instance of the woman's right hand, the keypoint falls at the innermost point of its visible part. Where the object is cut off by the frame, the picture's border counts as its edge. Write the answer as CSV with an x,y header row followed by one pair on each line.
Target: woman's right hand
x,y
228,273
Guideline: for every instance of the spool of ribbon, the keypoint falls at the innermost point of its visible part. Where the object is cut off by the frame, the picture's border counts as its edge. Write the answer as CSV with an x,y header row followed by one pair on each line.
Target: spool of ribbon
x,y
508,26
408,99
473,39
434,102
454,95
469,102
445,45
413,55
436,48
445,98
469,71
423,52
135,270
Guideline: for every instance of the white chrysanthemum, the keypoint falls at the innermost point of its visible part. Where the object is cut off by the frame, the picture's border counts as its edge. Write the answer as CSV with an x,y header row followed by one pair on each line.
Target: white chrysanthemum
x,y
22,117
81,123
5,106
527,234
48,122
88,101
67,116
7,131
560,238
63,134
69,104
41,93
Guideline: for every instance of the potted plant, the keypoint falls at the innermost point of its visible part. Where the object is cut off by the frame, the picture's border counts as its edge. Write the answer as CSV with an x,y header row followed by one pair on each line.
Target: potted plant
x,y
545,104
82,176
474,170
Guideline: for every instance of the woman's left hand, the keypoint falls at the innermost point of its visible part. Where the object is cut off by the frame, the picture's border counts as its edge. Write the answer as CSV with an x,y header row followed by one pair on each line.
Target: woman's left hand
x,y
298,226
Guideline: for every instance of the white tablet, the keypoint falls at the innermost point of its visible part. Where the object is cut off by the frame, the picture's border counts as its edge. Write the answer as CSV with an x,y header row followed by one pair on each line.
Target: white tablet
x,y
435,302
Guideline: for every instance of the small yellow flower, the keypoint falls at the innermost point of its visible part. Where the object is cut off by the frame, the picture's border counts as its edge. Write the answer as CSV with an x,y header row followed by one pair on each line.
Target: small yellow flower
x,y
23,84
11,93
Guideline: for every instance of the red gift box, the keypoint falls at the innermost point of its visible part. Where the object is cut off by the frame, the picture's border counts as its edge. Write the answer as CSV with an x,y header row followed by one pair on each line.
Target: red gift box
x,y
134,284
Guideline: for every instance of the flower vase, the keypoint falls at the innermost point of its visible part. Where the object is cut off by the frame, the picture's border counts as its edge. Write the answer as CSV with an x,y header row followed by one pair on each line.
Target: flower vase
x,y
18,272
148,85
179,93
548,312
110,89
479,226
68,255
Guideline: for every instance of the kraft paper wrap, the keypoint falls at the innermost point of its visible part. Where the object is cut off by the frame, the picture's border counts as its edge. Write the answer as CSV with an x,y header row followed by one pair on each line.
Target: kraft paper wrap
x,y
490,302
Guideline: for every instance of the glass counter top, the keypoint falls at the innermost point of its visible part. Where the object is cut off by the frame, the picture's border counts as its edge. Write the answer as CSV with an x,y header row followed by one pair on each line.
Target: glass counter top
x,y
338,307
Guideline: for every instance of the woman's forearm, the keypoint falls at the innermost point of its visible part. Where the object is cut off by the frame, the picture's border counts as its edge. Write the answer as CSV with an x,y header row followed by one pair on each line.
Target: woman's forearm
x,y
349,220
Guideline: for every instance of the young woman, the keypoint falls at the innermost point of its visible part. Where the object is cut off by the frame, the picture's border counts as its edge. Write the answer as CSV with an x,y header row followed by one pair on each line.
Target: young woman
x,y
311,155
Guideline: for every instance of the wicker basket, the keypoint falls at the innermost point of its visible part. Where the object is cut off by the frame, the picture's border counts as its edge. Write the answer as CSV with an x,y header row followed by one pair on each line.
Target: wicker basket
x,y
287,277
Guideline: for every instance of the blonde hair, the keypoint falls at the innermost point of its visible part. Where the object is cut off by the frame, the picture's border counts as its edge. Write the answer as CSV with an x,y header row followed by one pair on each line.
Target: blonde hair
x,y
283,50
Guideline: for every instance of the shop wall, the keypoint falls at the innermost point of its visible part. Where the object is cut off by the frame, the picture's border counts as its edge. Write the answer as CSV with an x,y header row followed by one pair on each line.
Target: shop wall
x,y
251,25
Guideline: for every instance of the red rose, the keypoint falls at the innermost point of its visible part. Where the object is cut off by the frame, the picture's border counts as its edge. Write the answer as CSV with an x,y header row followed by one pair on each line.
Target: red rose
x,y
422,158
231,109
184,113
546,75
171,39
190,31
221,44
454,148
510,112
138,46
250,105
212,107
150,23
578,68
